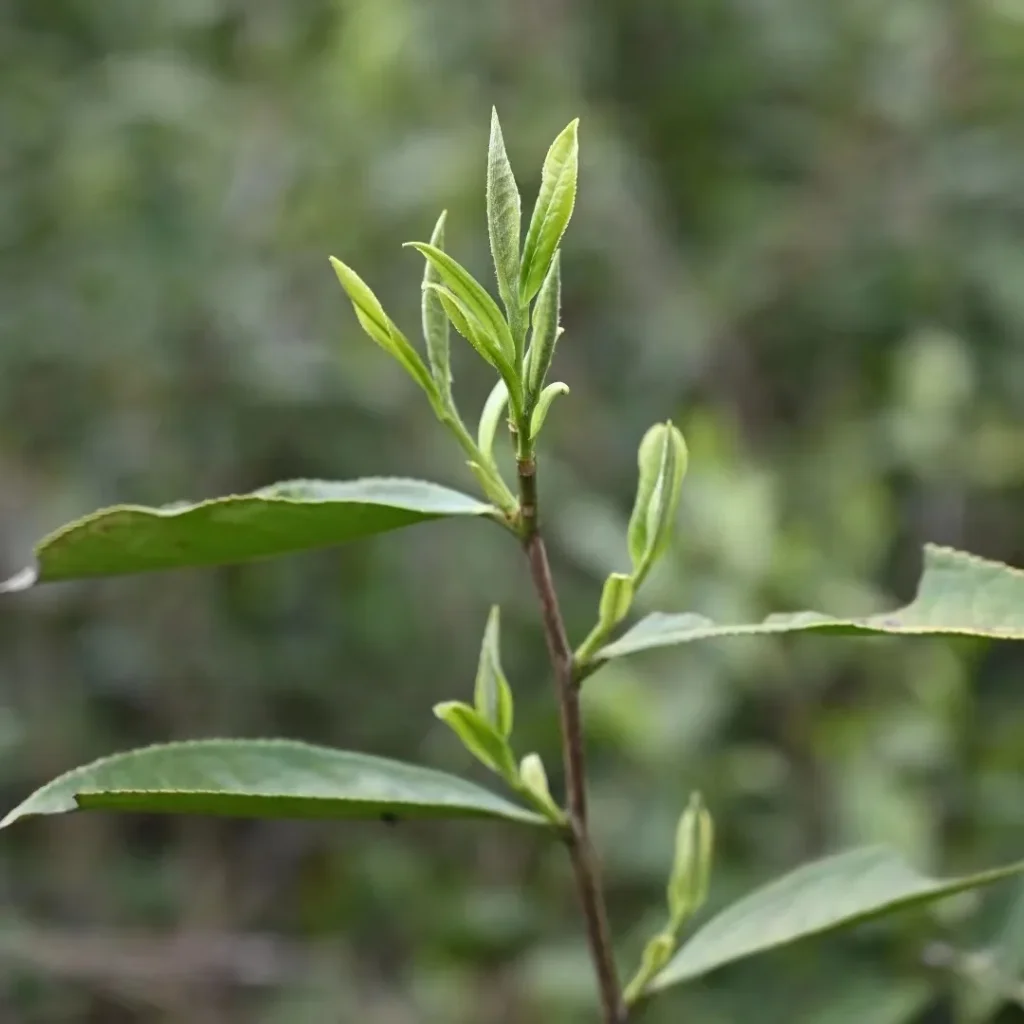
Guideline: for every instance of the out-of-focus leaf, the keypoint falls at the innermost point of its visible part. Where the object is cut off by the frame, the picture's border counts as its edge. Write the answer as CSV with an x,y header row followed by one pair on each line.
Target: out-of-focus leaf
x,y
822,896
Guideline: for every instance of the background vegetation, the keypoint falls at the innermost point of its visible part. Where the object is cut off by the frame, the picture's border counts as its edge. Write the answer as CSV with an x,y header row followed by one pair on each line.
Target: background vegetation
x,y
798,234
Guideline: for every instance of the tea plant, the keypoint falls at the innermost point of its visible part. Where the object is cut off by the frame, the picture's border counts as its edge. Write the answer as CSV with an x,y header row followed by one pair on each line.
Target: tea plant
x,y
276,778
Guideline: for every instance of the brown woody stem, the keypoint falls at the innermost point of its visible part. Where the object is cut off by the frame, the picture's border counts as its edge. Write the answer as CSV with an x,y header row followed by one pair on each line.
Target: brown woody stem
x,y
581,851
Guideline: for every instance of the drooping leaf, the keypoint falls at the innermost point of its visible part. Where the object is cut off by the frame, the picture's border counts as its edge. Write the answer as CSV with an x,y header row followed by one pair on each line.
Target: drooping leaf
x,y
959,595
276,520
545,332
552,211
490,417
265,779
492,693
471,293
503,216
379,326
435,322
544,400
479,737
824,895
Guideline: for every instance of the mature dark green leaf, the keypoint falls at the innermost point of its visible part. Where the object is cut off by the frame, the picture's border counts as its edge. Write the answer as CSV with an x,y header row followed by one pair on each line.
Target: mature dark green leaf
x,y
824,895
959,595
266,779
276,520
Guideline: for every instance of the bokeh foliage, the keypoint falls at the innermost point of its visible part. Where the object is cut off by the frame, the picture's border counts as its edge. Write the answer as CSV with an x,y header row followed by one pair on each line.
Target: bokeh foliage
x,y
798,236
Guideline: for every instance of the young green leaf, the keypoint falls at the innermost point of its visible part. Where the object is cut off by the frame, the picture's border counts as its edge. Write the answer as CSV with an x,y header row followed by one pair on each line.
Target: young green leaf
x,y
479,737
435,321
544,400
477,335
281,519
691,865
545,331
379,326
616,599
534,785
265,779
551,212
959,595
491,416
656,954
662,461
822,896
492,694
503,217
471,294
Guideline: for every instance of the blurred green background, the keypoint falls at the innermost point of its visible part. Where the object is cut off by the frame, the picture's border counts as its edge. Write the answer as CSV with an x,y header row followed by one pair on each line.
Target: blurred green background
x,y
798,234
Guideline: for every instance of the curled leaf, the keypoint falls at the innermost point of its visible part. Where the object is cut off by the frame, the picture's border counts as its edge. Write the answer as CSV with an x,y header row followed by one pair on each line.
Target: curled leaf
x,y
490,418
551,212
547,396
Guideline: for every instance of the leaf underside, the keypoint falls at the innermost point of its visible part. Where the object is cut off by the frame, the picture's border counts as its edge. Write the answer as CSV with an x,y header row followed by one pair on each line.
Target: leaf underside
x,y
958,595
276,520
266,779
818,897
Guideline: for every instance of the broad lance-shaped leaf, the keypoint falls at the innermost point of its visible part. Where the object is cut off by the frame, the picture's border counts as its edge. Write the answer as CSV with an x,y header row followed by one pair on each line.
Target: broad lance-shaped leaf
x,y
959,595
552,211
277,520
822,896
266,779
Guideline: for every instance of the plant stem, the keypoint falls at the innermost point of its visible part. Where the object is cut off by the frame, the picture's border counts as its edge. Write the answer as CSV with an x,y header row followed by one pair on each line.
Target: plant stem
x,y
581,850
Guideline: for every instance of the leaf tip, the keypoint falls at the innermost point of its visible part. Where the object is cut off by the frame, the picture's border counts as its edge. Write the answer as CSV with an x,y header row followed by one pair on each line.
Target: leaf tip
x,y
23,580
